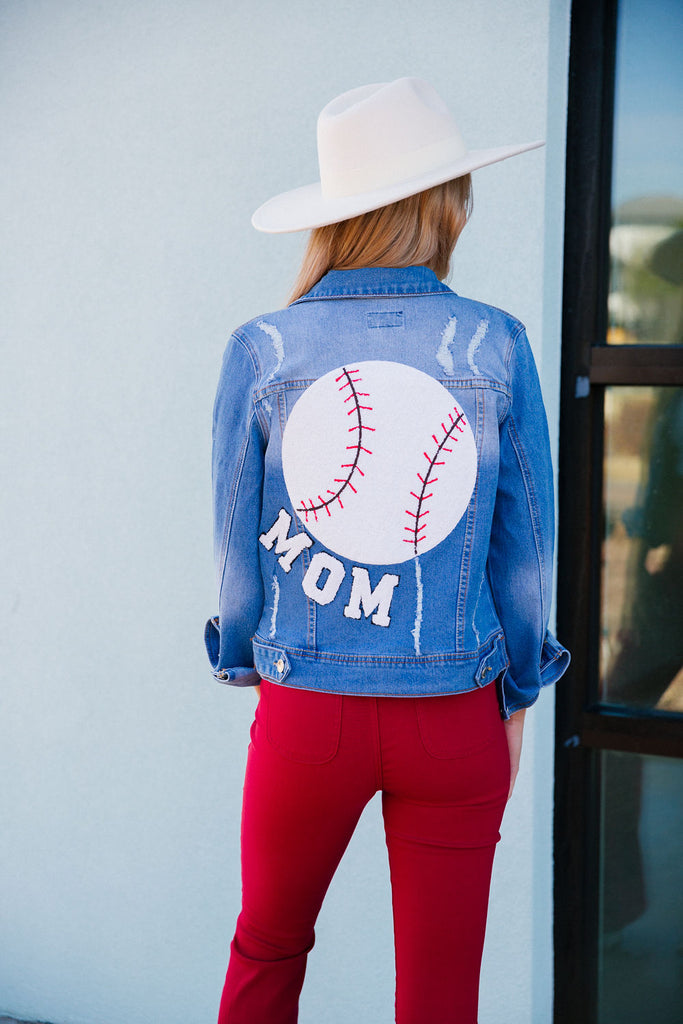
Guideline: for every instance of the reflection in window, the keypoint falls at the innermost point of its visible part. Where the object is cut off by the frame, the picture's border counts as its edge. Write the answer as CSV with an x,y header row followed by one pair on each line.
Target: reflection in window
x,y
646,263
642,583
646,251
641,884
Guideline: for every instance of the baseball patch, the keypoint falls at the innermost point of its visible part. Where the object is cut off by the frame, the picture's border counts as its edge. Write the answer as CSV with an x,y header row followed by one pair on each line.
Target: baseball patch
x,y
379,461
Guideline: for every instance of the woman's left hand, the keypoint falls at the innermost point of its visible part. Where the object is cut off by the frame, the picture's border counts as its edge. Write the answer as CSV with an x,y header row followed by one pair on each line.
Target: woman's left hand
x,y
514,727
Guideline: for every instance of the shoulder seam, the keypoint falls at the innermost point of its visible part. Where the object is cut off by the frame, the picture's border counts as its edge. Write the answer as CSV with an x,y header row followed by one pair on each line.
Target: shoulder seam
x,y
244,342
257,373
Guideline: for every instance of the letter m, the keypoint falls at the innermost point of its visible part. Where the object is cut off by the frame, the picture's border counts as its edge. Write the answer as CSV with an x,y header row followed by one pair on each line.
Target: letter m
x,y
377,600
287,547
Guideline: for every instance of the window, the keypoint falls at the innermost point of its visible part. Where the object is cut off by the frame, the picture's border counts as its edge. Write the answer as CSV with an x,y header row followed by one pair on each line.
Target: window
x,y
619,757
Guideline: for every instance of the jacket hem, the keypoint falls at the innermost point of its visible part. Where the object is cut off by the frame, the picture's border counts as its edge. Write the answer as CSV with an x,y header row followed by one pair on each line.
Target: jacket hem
x,y
410,676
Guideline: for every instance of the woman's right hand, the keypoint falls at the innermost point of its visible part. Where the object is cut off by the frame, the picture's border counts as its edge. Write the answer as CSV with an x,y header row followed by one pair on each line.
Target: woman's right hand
x,y
514,727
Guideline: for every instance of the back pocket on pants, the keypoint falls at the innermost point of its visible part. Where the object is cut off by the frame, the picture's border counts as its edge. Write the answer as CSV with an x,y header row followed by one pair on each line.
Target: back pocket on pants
x,y
302,725
459,724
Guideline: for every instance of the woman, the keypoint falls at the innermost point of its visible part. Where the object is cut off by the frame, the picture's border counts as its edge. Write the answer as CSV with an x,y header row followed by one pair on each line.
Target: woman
x,y
383,530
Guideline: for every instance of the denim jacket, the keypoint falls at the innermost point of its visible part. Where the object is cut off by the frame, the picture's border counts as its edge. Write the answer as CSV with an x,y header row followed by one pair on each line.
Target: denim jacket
x,y
383,496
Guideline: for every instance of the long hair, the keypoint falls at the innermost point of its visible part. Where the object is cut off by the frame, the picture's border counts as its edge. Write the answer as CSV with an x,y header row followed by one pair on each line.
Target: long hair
x,y
419,230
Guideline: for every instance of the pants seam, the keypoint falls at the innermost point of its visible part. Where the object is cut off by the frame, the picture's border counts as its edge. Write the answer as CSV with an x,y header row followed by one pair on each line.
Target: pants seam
x,y
378,746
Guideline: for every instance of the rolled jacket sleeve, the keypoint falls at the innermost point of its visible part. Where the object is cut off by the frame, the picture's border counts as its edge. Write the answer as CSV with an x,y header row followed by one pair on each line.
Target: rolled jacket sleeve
x,y
237,477
520,560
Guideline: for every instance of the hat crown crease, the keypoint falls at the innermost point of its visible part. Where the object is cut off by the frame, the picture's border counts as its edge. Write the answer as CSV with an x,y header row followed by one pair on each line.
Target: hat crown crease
x,y
377,136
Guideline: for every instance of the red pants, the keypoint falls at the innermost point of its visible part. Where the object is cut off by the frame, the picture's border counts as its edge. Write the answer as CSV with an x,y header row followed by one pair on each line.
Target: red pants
x,y
314,762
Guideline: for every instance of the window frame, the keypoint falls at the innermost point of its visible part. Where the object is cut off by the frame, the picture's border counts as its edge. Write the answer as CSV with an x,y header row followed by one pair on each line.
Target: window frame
x,y
584,725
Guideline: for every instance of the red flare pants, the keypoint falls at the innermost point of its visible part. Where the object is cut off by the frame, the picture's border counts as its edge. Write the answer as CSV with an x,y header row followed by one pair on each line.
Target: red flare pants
x,y
315,760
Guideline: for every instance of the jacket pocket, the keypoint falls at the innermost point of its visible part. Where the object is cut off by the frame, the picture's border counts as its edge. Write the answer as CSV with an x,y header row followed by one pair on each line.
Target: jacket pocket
x,y
302,725
459,724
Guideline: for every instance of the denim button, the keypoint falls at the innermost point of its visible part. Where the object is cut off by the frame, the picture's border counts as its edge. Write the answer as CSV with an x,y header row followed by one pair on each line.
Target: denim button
x,y
280,665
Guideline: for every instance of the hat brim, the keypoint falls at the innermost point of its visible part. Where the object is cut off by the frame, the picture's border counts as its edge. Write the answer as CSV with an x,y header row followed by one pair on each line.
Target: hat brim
x,y
301,209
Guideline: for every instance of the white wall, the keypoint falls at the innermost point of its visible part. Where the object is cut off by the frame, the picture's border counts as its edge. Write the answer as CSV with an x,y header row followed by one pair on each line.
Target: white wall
x,y
137,138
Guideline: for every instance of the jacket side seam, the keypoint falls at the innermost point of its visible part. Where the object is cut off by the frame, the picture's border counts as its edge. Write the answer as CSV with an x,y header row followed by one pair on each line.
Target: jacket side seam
x,y
533,513
237,476
230,513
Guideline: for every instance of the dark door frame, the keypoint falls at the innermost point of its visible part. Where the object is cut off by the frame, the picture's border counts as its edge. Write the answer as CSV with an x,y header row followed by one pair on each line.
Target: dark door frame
x,y
584,727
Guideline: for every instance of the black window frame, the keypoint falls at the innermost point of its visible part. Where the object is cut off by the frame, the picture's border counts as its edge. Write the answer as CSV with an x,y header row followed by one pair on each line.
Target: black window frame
x,y
585,726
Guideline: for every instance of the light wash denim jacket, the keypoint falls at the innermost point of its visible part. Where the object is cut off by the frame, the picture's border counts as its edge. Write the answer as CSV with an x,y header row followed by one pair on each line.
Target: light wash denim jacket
x,y
383,496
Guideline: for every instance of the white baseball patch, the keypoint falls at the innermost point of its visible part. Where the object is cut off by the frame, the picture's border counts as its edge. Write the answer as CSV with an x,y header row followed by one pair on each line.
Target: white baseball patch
x,y
379,461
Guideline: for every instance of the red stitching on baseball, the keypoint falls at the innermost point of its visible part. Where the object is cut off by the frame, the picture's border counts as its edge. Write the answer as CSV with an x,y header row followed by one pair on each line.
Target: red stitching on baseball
x,y
349,381
416,528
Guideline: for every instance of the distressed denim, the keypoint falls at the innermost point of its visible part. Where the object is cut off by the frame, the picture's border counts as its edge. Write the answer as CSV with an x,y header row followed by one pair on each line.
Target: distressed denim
x,y
383,496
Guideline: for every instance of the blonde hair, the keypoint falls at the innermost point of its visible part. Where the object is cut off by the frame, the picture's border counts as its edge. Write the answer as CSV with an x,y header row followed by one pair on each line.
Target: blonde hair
x,y
419,230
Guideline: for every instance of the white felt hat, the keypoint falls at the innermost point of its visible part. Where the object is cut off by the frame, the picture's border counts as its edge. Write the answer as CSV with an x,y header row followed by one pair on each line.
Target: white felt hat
x,y
377,144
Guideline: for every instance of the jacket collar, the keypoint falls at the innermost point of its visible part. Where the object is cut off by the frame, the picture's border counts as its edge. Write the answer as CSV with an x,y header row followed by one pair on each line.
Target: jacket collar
x,y
369,281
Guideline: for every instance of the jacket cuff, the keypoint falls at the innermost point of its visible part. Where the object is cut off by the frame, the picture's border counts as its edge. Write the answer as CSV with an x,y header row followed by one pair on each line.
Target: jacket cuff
x,y
233,675
554,662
